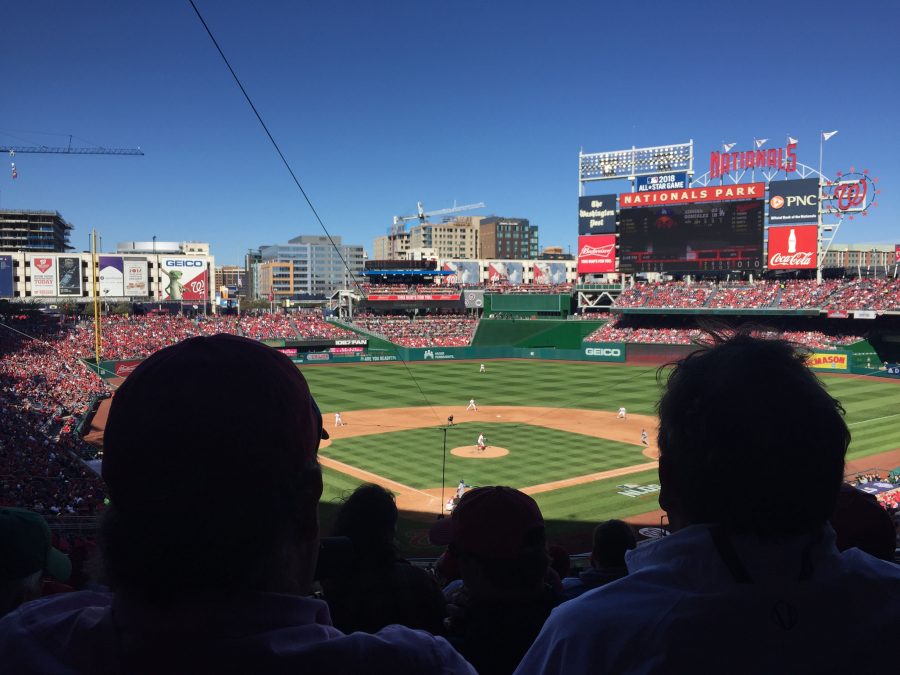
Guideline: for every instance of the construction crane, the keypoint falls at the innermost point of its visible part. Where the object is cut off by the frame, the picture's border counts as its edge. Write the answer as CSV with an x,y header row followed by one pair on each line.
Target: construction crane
x,y
21,149
399,225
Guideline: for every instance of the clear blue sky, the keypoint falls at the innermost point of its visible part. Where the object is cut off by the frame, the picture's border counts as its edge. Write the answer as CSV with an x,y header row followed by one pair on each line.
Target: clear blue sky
x,y
380,104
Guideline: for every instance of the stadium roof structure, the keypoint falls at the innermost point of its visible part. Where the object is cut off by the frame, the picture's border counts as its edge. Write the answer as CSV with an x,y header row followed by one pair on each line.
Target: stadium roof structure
x,y
405,273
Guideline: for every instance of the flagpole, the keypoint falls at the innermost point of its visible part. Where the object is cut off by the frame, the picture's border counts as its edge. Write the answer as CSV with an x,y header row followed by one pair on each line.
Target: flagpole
x,y
821,145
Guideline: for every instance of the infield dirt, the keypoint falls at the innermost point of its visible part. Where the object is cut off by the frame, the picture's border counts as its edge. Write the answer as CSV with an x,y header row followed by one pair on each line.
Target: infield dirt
x,y
596,423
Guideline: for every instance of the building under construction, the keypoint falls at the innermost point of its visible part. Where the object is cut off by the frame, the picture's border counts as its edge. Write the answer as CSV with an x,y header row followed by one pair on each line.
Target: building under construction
x,y
34,231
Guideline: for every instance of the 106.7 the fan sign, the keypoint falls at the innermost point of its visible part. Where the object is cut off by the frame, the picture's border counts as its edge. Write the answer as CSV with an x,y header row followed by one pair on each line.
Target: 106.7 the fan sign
x,y
793,248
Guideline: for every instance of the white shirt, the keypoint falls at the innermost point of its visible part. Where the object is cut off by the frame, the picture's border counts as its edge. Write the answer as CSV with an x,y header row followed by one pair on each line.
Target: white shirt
x,y
480,439
682,611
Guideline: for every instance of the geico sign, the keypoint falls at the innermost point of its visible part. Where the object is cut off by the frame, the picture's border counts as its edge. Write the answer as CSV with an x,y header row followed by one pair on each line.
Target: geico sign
x,y
602,351
184,263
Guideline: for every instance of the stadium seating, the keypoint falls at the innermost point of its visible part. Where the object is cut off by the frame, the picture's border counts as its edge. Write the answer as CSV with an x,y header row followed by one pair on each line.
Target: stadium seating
x,y
423,331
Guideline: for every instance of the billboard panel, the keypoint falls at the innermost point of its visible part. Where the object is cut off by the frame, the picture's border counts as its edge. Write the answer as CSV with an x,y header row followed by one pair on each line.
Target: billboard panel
x,y
710,193
7,277
897,253
465,272
688,238
793,201
43,277
597,214
184,278
69,274
662,181
597,254
549,272
505,271
112,277
135,280
793,248
824,360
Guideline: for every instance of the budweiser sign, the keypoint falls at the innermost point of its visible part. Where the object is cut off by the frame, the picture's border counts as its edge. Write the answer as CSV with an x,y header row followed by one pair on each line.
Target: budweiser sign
x,y
793,248
596,254
711,193
597,251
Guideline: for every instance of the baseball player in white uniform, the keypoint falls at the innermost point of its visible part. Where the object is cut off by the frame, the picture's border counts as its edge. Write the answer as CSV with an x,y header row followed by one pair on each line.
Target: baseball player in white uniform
x,y
621,414
472,405
644,437
482,442
482,369
461,489
338,420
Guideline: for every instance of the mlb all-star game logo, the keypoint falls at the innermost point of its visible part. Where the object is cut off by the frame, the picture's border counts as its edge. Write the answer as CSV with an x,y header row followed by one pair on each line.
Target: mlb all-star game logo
x,y
850,194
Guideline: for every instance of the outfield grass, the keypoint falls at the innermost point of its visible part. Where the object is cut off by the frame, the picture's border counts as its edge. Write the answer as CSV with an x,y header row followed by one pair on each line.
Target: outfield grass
x,y
537,455
872,405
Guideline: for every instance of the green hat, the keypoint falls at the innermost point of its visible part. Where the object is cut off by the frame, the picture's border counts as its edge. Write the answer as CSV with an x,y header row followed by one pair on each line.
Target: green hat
x,y
25,547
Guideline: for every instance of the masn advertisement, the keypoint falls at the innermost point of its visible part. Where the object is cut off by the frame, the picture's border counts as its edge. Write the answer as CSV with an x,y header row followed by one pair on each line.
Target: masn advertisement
x,y
831,361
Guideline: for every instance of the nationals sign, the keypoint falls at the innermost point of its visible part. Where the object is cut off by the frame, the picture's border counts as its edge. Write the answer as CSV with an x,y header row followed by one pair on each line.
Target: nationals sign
x,y
596,254
711,193
793,248
779,159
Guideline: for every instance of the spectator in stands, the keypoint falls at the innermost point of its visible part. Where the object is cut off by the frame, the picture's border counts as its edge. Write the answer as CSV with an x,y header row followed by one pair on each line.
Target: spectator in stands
x,y
210,557
497,536
26,555
751,580
377,587
612,540
860,521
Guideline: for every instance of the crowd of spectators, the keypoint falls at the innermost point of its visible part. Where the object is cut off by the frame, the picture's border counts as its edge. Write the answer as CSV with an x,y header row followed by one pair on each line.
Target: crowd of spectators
x,y
44,392
619,330
445,330
879,294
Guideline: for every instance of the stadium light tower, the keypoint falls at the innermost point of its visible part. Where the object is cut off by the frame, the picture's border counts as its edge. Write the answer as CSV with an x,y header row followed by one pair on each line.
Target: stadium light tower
x,y
629,164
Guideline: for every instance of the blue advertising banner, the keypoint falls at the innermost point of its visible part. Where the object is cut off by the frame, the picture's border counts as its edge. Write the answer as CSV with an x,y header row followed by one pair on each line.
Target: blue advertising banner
x,y
662,181
6,276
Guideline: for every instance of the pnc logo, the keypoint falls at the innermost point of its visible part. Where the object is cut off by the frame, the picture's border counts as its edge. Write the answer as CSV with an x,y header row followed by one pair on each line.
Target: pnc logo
x,y
776,202
602,351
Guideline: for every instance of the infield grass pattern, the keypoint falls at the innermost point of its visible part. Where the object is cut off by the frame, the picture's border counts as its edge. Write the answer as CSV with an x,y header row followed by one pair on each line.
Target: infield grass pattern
x,y
537,455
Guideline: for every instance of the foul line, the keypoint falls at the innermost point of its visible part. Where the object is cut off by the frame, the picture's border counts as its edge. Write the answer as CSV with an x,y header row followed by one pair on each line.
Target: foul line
x,y
874,419
356,472
589,478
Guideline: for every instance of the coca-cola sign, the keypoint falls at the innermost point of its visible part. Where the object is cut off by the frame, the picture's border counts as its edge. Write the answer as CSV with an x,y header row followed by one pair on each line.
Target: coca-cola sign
x,y
597,254
793,248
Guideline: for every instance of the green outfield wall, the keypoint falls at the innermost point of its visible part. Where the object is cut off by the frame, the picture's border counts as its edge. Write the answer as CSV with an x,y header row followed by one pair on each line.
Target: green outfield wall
x,y
533,333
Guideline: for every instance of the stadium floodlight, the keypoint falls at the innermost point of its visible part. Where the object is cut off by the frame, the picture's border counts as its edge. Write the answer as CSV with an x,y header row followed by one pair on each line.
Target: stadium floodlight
x,y
635,162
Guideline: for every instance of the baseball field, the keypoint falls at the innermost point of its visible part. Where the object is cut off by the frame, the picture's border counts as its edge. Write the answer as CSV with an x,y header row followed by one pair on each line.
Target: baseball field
x,y
551,430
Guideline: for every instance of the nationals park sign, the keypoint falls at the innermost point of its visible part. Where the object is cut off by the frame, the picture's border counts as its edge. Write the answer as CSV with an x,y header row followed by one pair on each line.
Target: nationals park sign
x,y
711,193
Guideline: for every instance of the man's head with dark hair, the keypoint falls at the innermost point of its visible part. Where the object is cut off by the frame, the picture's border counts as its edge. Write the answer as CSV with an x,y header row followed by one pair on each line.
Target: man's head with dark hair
x,y
210,461
735,420
611,540
368,517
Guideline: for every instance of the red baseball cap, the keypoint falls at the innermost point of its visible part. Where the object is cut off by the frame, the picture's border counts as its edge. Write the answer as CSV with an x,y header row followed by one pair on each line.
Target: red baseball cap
x,y
489,521
207,419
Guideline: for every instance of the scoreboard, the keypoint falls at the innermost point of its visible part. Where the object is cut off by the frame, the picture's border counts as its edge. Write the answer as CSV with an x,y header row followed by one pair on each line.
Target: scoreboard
x,y
724,236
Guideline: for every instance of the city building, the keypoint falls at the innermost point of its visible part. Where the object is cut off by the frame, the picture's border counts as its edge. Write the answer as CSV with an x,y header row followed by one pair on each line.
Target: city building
x,y
507,238
131,274
391,246
555,253
457,238
232,278
853,256
39,231
251,273
308,265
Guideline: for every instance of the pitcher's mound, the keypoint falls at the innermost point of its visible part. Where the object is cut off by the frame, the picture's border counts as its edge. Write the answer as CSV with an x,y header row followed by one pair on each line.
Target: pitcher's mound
x,y
471,452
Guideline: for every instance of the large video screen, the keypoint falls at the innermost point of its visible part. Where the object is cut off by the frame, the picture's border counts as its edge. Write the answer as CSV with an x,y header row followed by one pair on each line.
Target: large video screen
x,y
692,237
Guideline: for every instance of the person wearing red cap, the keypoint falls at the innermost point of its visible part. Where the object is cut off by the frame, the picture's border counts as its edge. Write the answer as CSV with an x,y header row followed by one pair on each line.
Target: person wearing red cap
x,y
751,580
496,535
211,537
